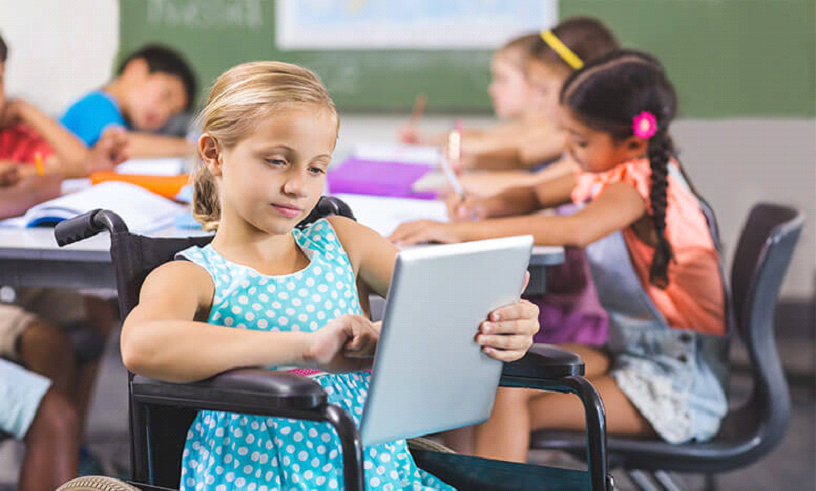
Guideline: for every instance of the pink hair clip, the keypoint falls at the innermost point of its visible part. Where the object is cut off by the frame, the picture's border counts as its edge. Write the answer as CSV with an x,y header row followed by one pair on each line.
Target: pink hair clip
x,y
644,125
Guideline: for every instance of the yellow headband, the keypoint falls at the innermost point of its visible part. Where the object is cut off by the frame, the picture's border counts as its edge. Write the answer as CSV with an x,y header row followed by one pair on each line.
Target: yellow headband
x,y
563,51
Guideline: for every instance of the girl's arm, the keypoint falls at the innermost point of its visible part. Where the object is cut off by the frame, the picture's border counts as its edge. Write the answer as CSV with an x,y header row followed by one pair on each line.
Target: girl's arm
x,y
24,192
162,339
618,207
545,192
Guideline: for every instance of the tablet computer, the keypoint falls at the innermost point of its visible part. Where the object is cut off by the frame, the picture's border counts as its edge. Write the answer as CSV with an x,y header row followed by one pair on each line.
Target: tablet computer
x,y
429,373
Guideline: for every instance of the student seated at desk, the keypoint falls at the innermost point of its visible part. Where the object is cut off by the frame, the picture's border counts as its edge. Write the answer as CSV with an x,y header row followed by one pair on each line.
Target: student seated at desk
x,y
266,294
653,260
152,85
26,135
38,414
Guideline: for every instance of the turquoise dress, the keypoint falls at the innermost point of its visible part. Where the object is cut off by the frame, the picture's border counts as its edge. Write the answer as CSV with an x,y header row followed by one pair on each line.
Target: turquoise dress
x,y
226,451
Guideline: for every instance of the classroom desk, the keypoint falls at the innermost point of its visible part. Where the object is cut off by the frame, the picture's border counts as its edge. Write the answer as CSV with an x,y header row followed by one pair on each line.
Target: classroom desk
x,y
31,257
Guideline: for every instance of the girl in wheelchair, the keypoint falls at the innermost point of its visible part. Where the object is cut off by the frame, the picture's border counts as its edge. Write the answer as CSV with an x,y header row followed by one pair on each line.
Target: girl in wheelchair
x,y
265,293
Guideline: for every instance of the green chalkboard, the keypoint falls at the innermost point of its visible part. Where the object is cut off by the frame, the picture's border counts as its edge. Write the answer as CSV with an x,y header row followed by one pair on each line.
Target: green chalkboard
x,y
726,57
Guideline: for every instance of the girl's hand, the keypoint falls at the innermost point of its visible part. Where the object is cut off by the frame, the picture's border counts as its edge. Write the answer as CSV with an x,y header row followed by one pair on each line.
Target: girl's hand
x,y
470,209
508,332
409,134
425,231
342,344
9,174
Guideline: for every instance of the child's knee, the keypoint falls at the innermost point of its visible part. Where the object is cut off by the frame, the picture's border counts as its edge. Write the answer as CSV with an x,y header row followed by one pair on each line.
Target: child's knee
x,y
514,397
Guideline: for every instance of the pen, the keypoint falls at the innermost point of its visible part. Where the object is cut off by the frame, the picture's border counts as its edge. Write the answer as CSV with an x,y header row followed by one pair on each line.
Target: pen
x,y
39,162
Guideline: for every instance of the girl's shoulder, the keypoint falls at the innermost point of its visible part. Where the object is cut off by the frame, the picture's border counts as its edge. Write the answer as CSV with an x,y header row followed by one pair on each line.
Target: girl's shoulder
x,y
323,237
637,173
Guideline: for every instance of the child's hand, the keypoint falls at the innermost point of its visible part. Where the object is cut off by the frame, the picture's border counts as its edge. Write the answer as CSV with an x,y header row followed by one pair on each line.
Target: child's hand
x,y
11,114
470,209
508,332
9,174
109,150
409,134
344,344
425,231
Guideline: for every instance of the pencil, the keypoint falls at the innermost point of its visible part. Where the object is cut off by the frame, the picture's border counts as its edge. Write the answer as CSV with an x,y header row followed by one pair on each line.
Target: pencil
x,y
419,107
39,162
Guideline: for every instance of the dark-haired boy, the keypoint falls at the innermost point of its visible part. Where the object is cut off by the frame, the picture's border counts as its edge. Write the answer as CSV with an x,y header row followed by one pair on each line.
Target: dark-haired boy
x,y
152,85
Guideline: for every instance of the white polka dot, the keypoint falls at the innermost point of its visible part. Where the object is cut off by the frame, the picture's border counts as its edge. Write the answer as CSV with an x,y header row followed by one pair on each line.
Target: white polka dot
x,y
394,475
321,315
209,479
320,480
228,321
290,311
262,323
243,451
303,317
333,483
385,457
312,433
333,454
190,481
221,487
290,448
229,477
283,295
325,437
251,486
243,300
271,288
315,462
368,465
337,313
285,430
298,436
316,297
322,288
303,455
286,460
236,310
250,316
228,458
296,302
250,438
248,469
310,308
380,470
238,433
240,482
263,297
310,282
219,470
313,325
290,286
276,305
321,449
374,481
282,321
308,474
268,476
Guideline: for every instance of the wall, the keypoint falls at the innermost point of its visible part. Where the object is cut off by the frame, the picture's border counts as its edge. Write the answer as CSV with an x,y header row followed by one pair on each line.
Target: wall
x,y
58,49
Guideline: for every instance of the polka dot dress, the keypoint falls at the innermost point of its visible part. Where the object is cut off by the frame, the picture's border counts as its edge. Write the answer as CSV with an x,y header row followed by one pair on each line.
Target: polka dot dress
x,y
226,451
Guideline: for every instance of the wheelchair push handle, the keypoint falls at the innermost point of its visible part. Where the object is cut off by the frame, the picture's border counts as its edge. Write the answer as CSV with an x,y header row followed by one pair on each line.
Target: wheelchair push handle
x,y
87,225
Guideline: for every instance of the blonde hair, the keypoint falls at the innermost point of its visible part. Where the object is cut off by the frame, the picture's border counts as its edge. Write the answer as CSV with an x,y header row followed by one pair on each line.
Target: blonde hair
x,y
238,99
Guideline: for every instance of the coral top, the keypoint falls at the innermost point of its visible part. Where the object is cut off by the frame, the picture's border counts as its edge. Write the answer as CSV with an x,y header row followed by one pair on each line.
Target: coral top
x,y
694,297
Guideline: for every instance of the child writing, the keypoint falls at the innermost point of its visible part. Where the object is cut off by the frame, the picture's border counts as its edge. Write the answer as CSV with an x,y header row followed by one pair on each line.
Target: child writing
x,y
533,140
267,294
152,85
653,261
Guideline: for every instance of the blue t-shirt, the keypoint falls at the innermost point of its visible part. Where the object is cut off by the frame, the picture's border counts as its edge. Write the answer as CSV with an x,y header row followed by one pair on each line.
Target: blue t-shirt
x,y
89,116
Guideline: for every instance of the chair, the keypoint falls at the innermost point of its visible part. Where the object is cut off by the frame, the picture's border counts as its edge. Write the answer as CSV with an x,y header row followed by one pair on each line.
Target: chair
x,y
160,412
748,432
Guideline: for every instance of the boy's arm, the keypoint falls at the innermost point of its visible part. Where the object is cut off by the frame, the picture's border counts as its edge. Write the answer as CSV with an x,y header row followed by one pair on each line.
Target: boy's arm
x,y
145,145
17,198
69,151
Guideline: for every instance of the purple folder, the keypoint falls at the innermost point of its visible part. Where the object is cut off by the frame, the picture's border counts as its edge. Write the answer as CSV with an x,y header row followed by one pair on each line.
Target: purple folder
x,y
378,178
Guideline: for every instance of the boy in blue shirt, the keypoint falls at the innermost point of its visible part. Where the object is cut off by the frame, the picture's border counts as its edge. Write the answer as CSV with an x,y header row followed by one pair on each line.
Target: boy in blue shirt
x,y
152,85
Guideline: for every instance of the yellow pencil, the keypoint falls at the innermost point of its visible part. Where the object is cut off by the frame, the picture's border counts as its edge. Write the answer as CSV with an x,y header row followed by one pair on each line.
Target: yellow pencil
x,y
40,168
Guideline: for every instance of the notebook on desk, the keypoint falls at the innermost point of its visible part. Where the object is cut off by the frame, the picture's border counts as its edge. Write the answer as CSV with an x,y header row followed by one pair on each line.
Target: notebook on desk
x,y
141,210
378,178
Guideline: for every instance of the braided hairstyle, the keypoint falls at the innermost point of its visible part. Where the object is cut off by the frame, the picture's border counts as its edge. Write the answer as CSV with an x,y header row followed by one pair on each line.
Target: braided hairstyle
x,y
606,95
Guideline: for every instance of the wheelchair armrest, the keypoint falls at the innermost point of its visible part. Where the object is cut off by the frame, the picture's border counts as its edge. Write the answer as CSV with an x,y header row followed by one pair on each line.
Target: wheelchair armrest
x,y
542,362
248,390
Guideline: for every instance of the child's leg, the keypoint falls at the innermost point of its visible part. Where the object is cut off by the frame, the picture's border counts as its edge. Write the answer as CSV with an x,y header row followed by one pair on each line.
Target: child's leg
x,y
596,362
46,350
52,445
100,319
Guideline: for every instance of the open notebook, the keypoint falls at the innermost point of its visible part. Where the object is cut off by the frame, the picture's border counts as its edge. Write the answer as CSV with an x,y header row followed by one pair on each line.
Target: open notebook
x,y
385,214
141,210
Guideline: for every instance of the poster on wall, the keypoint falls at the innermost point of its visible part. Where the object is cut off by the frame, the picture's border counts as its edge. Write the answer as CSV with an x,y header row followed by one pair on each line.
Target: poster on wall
x,y
407,24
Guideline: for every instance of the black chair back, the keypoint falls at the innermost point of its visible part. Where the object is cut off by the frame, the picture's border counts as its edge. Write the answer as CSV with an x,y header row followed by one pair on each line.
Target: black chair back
x,y
762,257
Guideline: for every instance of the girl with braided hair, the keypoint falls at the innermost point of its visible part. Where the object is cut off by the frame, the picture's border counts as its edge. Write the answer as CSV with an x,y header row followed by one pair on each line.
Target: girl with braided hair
x,y
653,261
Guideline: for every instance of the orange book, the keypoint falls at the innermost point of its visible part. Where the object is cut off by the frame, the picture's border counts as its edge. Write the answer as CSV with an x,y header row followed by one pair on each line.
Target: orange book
x,y
167,186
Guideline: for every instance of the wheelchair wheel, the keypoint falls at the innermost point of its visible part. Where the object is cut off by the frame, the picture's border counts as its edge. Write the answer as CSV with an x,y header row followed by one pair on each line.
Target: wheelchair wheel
x,y
96,483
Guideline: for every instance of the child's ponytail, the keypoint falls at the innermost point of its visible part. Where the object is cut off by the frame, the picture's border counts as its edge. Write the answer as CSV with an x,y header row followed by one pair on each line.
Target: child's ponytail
x,y
206,208
659,152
